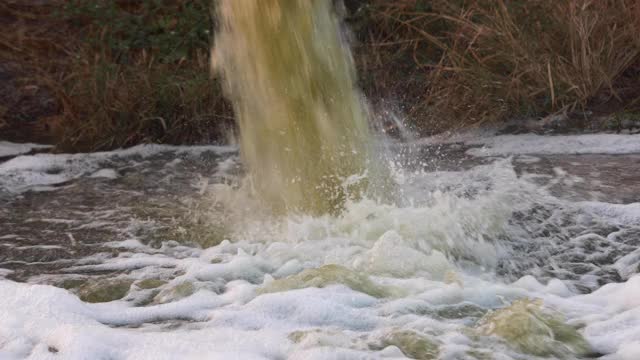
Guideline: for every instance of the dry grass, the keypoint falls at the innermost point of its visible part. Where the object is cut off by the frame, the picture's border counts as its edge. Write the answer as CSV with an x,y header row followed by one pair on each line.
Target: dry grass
x,y
112,92
112,106
445,64
488,60
30,52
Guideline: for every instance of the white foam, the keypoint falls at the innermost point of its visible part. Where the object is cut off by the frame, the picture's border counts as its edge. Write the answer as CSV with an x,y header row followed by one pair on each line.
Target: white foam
x,y
36,320
27,172
13,149
556,144
487,143
616,213
105,173
239,323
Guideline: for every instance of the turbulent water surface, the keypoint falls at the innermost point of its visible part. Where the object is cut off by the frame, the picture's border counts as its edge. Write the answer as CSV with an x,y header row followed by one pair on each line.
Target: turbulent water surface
x,y
492,253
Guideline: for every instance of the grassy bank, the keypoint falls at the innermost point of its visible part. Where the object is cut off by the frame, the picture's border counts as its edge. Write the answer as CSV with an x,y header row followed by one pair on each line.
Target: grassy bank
x,y
91,75
466,62
119,72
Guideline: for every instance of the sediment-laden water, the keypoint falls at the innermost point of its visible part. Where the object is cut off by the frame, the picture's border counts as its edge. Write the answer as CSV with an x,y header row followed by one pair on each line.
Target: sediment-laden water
x,y
304,133
158,253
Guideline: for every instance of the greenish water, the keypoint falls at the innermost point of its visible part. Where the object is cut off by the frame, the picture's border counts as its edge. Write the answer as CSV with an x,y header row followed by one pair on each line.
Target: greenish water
x,y
303,125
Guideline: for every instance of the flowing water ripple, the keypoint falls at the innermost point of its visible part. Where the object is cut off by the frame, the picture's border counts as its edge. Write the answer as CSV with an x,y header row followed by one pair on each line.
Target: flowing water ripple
x,y
161,251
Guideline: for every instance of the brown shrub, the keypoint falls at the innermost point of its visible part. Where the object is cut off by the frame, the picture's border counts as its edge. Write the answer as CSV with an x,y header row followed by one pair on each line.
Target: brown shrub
x,y
486,60
111,105
121,72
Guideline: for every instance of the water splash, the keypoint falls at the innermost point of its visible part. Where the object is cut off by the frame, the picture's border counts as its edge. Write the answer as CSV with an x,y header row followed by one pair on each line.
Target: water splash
x,y
303,125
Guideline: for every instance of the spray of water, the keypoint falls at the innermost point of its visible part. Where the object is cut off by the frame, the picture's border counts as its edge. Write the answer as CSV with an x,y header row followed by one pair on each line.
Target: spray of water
x,y
303,126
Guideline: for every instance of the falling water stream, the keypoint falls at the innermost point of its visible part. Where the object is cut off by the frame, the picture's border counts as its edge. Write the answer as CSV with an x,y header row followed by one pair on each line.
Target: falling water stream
x,y
303,125
485,247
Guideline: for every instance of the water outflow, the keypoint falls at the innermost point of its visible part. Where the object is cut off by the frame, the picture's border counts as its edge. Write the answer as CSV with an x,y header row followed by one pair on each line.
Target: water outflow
x,y
303,126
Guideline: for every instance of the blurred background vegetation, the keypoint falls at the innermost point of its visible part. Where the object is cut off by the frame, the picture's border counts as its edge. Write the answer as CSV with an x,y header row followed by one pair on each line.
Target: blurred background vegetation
x,y
468,62
101,74
120,72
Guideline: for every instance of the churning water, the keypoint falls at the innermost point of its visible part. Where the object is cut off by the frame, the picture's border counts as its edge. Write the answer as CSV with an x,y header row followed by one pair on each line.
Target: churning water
x,y
158,253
